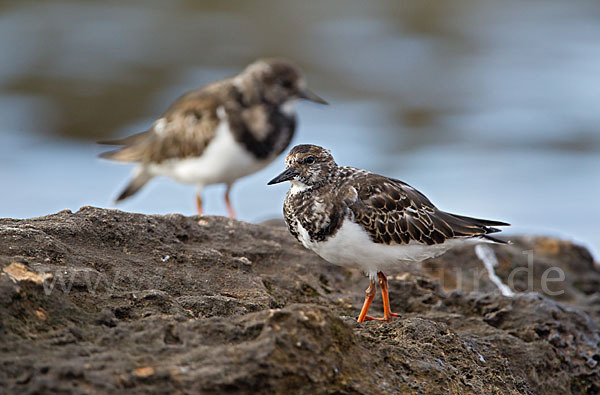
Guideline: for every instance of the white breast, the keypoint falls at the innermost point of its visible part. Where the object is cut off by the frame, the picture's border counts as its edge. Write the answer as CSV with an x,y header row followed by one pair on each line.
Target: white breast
x,y
352,246
223,161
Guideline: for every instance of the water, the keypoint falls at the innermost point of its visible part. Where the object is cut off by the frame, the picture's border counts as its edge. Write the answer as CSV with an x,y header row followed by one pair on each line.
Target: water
x,y
489,108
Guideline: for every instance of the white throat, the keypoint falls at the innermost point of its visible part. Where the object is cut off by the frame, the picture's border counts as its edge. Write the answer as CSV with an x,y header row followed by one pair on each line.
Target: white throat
x,y
288,108
297,187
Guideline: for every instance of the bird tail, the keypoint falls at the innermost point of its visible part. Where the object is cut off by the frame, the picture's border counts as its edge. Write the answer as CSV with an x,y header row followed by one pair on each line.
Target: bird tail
x,y
140,177
129,140
135,148
495,239
475,227
486,223
131,153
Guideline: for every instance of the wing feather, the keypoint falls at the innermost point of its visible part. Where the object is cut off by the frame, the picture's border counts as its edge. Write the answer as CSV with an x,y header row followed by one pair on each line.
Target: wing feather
x,y
393,212
183,131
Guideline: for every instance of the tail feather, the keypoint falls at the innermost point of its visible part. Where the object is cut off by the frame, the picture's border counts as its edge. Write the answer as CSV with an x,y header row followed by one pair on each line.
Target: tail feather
x,y
474,227
109,154
481,222
135,147
491,229
495,239
131,153
129,140
140,178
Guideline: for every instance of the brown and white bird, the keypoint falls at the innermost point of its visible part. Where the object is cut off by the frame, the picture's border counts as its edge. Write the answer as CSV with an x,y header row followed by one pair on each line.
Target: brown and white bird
x,y
218,133
357,218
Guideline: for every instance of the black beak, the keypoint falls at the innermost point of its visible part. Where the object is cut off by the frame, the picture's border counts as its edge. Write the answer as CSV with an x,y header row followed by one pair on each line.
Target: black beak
x,y
285,176
310,96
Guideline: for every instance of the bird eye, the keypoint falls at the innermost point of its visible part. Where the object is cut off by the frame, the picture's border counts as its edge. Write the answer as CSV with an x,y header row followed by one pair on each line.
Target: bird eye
x,y
310,160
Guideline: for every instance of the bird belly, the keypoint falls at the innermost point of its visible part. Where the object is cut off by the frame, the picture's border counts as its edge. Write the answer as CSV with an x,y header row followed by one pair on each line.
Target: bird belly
x,y
223,161
352,246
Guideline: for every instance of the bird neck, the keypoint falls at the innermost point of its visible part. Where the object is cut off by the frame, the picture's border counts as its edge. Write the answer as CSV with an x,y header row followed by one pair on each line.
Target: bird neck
x,y
322,184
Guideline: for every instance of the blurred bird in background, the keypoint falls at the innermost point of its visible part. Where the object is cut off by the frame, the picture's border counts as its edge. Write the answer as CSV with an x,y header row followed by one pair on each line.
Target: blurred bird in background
x,y
220,132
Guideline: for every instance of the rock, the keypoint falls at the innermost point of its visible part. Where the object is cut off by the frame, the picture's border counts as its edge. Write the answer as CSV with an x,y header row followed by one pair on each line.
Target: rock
x,y
559,269
18,272
131,302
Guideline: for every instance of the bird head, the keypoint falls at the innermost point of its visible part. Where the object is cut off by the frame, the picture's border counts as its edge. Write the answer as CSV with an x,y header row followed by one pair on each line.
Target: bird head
x,y
277,81
307,166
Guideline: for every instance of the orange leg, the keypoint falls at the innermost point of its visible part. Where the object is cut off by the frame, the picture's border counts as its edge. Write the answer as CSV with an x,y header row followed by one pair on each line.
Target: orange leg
x,y
230,209
369,296
199,204
387,312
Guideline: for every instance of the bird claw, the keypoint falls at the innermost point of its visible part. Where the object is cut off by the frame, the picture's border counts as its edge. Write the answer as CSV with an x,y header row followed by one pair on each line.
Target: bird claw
x,y
383,319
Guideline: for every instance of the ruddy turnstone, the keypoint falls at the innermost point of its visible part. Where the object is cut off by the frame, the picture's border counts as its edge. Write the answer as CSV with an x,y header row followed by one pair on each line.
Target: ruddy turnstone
x,y
218,133
353,217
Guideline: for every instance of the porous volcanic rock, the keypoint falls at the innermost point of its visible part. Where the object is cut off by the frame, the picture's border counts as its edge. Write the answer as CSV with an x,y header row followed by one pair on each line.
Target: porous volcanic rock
x,y
107,301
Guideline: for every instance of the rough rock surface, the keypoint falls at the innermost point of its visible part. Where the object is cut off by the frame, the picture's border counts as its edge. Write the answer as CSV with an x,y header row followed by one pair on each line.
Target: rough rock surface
x,y
107,301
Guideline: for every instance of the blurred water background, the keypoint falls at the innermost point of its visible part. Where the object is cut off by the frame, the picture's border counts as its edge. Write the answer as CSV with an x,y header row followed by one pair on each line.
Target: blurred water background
x,y
491,108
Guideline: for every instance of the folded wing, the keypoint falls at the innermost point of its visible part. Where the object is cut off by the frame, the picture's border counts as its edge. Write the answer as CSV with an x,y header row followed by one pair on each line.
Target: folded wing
x,y
183,131
393,212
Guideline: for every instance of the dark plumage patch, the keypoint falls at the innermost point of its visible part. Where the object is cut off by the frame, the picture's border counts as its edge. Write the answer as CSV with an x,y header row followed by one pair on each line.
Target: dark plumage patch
x,y
193,113
278,131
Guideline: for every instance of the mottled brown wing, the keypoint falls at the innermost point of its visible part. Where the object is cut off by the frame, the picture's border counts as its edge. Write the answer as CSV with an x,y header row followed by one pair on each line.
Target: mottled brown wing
x,y
183,131
393,212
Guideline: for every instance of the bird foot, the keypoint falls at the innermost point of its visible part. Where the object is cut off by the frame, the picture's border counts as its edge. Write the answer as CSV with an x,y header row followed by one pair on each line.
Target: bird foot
x,y
231,212
384,319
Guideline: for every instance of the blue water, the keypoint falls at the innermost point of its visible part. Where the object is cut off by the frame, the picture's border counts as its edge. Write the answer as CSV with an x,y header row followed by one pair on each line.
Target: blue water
x,y
490,109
